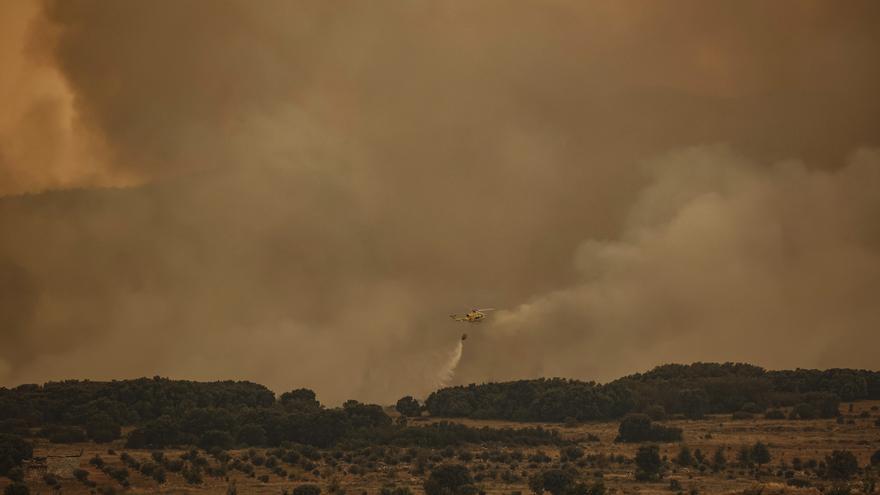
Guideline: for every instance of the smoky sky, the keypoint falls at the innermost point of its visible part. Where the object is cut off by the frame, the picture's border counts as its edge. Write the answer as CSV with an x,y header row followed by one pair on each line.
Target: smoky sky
x,y
299,193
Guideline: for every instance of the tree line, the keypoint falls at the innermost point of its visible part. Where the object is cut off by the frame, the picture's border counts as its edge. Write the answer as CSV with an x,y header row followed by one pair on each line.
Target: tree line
x,y
218,415
689,390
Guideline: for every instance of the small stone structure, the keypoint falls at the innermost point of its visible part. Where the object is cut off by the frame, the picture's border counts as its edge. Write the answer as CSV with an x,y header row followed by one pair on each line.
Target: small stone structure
x,y
61,466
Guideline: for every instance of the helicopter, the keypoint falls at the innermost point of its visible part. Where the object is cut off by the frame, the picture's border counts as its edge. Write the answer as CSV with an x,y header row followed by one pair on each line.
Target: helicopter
x,y
473,316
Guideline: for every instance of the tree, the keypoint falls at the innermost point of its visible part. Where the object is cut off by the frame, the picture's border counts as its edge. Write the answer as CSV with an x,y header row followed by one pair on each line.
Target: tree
x,y
409,407
634,428
803,411
648,463
572,452
744,456
365,415
875,458
450,479
638,428
760,454
693,402
252,435
13,450
841,465
301,399
216,438
684,457
159,433
719,460
656,412
579,488
63,434
102,429
555,481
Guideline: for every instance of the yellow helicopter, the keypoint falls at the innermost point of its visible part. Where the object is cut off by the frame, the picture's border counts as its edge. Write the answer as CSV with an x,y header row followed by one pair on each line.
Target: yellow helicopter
x,y
473,316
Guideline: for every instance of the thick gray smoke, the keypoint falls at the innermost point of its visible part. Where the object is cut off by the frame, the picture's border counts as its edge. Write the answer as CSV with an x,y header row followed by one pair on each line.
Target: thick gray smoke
x,y
720,259
298,193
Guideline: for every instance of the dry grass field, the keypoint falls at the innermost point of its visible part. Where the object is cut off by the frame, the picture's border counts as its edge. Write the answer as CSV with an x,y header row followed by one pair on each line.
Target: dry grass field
x,y
501,469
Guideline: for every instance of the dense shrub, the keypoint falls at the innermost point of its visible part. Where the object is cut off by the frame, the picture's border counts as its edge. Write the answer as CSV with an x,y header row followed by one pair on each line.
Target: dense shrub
x,y
252,435
572,452
13,450
841,465
63,434
450,479
14,426
192,475
307,489
555,481
216,438
157,434
639,428
760,454
719,460
101,428
648,463
656,412
118,474
50,479
684,457
774,414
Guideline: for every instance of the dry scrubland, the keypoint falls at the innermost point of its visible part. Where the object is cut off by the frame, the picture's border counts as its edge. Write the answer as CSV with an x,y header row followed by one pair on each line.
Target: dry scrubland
x,y
500,470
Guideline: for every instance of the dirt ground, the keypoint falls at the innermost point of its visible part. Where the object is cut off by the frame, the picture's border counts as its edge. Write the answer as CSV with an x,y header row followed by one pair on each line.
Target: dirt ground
x,y
786,439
